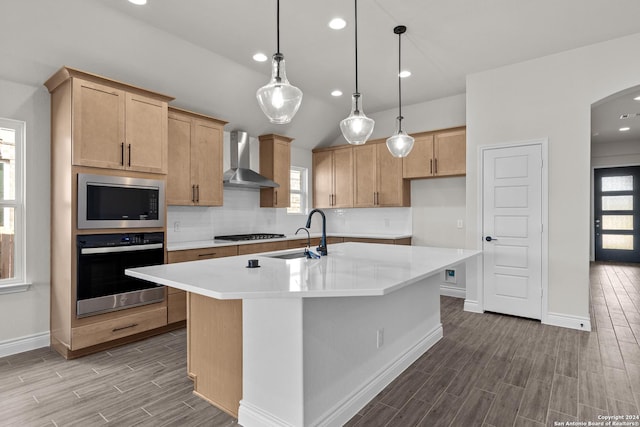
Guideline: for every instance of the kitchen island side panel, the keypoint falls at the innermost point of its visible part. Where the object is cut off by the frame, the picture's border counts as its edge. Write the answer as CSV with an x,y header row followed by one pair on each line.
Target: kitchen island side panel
x,y
337,338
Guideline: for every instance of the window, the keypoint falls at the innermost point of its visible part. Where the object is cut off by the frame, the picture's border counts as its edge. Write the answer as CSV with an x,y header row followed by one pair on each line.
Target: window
x,y
298,191
12,140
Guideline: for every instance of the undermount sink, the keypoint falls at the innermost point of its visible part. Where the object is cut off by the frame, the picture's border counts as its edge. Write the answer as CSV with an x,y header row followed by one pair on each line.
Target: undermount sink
x,y
288,256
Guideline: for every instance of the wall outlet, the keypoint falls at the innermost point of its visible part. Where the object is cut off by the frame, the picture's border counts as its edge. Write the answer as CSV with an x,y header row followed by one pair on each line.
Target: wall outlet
x,y
176,226
379,338
450,275
460,223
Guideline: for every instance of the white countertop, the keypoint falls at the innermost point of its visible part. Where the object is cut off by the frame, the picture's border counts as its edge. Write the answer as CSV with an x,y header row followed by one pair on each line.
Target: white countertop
x,y
350,269
199,244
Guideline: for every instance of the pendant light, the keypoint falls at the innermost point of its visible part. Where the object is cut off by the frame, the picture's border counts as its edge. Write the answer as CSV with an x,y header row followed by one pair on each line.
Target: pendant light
x,y
400,144
356,128
279,99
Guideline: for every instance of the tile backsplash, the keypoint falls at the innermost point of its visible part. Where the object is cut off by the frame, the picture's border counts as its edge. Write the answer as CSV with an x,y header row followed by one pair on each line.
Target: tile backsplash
x,y
242,214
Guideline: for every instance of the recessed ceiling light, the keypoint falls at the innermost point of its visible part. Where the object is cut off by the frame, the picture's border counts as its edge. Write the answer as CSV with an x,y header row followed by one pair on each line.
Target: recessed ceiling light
x,y
337,23
624,129
260,57
404,73
138,2
336,93
637,98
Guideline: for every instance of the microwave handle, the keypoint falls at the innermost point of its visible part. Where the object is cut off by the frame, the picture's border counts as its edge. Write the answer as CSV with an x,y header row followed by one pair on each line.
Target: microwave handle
x,y
114,249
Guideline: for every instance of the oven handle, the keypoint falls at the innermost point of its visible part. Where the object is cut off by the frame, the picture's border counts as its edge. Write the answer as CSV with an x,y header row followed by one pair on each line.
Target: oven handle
x,y
108,250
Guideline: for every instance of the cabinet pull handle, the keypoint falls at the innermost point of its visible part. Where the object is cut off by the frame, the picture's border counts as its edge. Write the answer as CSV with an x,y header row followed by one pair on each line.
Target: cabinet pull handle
x,y
436,162
122,154
276,191
431,166
207,254
330,199
198,193
129,160
333,200
133,325
374,198
193,193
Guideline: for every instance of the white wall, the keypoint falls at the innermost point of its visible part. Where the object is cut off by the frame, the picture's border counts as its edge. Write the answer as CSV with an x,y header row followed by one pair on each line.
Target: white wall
x,y
551,97
26,314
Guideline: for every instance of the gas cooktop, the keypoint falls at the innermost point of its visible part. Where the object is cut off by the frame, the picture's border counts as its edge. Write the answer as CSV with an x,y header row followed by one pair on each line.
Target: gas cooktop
x,y
252,236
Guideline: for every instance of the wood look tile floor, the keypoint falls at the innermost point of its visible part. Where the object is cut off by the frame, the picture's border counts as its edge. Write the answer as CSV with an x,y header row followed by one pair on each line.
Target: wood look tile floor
x,y
488,370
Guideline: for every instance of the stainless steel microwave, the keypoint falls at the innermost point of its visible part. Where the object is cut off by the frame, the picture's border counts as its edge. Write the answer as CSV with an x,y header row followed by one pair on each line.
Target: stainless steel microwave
x,y
119,202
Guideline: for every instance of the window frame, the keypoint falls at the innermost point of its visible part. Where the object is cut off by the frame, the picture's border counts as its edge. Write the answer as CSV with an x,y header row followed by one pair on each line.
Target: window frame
x,y
304,190
18,282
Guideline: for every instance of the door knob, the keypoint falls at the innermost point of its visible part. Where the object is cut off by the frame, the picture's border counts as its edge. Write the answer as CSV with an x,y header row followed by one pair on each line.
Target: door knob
x,y
489,238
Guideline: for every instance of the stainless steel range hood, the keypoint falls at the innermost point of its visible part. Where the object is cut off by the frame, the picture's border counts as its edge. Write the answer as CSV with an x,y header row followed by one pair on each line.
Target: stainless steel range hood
x,y
240,174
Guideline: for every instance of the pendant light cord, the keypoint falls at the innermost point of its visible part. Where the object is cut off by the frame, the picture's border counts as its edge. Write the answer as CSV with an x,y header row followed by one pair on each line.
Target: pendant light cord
x,y
356,27
399,84
278,26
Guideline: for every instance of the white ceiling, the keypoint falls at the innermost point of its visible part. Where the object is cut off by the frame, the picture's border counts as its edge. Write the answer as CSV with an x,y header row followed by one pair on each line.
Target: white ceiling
x,y
446,40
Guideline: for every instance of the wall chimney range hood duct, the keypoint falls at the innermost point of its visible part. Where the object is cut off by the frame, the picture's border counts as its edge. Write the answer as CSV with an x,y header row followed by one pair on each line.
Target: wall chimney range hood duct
x,y
240,175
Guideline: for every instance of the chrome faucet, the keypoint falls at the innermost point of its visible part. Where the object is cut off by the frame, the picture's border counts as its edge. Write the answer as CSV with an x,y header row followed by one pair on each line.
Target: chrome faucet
x,y
322,248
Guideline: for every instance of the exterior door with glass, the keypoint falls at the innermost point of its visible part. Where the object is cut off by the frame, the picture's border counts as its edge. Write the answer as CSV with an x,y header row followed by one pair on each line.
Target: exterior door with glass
x,y
617,214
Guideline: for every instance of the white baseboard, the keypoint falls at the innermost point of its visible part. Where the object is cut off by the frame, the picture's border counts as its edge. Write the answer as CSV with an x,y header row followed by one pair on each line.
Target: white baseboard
x,y
344,410
22,344
452,291
472,306
251,416
567,321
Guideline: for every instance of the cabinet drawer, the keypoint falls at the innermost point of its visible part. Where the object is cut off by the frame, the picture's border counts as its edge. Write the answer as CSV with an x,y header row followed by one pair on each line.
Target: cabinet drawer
x,y
292,244
177,306
108,330
202,253
255,248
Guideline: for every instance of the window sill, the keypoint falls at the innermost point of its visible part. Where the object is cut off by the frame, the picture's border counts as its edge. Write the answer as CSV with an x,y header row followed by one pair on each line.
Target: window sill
x,y
14,287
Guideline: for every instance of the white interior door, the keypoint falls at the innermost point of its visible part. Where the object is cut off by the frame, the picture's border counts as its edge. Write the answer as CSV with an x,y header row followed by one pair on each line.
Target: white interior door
x,y
512,230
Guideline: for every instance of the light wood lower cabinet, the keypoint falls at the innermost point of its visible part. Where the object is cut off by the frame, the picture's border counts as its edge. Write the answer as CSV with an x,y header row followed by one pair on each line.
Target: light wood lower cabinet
x,y
176,305
405,241
177,299
255,248
215,350
113,329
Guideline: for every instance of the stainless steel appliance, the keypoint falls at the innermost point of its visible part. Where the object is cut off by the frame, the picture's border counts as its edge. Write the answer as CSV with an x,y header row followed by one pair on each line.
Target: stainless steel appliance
x,y
240,174
252,236
102,258
119,202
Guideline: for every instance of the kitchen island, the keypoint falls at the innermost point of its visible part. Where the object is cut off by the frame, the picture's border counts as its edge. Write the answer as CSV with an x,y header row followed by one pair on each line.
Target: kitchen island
x,y
321,337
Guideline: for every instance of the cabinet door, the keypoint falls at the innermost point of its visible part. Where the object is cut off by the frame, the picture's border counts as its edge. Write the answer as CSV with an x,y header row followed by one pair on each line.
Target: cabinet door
x,y
146,134
343,178
322,179
391,188
179,187
98,125
450,153
364,176
419,163
282,173
206,163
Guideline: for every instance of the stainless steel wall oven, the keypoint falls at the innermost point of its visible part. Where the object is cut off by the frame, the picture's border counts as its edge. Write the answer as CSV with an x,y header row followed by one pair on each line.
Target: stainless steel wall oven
x,y
102,258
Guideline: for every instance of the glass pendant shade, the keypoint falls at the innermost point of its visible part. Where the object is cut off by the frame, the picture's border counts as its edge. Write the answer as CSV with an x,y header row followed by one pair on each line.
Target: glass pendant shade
x,y
279,99
400,144
356,128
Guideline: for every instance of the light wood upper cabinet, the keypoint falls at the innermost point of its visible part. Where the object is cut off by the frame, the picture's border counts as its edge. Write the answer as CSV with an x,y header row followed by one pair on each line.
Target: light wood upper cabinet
x,y
275,164
440,153
98,131
378,177
145,134
333,178
195,148
114,125
450,151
